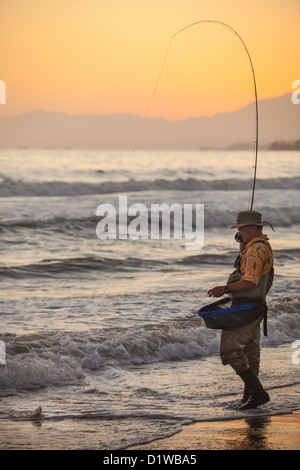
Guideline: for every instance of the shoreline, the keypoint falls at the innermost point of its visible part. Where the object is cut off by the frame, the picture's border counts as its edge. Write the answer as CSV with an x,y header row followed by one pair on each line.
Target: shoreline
x,y
275,432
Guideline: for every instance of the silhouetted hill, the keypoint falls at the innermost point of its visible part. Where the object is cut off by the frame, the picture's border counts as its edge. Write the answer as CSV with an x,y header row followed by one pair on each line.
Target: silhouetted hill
x,y
279,120
283,145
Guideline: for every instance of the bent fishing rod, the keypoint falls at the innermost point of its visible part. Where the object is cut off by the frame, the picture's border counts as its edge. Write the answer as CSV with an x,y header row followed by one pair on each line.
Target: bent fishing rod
x,y
255,91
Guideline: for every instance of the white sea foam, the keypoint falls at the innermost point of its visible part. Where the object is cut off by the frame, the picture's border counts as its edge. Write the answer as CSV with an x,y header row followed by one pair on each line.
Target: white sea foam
x,y
12,188
40,360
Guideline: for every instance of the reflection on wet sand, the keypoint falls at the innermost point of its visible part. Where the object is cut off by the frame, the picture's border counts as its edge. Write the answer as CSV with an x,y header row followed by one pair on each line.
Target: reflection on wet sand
x,y
253,433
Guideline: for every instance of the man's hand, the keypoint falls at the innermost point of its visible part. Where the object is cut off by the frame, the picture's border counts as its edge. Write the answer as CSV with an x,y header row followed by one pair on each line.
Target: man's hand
x,y
217,291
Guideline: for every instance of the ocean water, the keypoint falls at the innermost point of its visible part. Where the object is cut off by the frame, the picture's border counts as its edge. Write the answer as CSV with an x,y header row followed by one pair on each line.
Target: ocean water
x,y
104,335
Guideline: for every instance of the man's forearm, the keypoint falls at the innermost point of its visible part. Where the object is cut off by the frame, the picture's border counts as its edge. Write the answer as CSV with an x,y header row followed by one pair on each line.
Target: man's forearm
x,y
240,285
218,291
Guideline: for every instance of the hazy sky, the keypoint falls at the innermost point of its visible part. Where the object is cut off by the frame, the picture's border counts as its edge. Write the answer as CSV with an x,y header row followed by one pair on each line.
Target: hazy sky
x,y
104,56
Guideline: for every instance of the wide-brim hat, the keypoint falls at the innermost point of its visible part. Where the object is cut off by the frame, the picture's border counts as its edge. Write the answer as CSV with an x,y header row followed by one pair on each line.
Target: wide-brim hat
x,y
250,218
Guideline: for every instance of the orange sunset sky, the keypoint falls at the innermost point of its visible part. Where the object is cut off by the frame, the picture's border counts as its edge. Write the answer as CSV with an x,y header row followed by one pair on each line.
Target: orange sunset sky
x,y
104,56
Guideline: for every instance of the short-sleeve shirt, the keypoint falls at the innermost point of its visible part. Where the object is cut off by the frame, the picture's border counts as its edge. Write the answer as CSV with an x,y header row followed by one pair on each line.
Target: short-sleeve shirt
x,y
256,259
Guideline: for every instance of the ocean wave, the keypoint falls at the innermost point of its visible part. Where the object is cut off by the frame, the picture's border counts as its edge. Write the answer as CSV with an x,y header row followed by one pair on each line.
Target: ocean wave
x,y
59,358
57,224
12,187
283,255
86,225
89,264
53,267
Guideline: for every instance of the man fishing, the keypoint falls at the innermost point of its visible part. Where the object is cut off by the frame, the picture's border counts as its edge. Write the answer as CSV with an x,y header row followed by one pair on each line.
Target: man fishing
x,y
252,279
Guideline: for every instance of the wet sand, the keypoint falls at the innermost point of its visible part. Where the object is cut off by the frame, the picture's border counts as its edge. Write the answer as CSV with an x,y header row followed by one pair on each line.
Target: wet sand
x,y
254,433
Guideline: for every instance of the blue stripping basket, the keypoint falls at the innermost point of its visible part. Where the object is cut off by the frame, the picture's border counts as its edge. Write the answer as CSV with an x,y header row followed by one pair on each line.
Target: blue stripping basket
x,y
242,312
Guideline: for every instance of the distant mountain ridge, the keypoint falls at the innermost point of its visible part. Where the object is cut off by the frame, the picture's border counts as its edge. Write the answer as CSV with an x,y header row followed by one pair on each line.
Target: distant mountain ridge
x,y
279,120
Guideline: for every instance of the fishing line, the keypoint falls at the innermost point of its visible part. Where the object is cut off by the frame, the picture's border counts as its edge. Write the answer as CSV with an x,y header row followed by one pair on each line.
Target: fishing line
x,y
255,92
151,99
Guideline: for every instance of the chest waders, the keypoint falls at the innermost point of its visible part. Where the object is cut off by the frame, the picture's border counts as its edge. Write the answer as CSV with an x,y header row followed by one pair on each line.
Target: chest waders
x,y
246,306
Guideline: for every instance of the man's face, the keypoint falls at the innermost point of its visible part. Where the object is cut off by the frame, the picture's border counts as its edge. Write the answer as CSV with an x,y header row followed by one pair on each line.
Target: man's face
x,y
248,232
